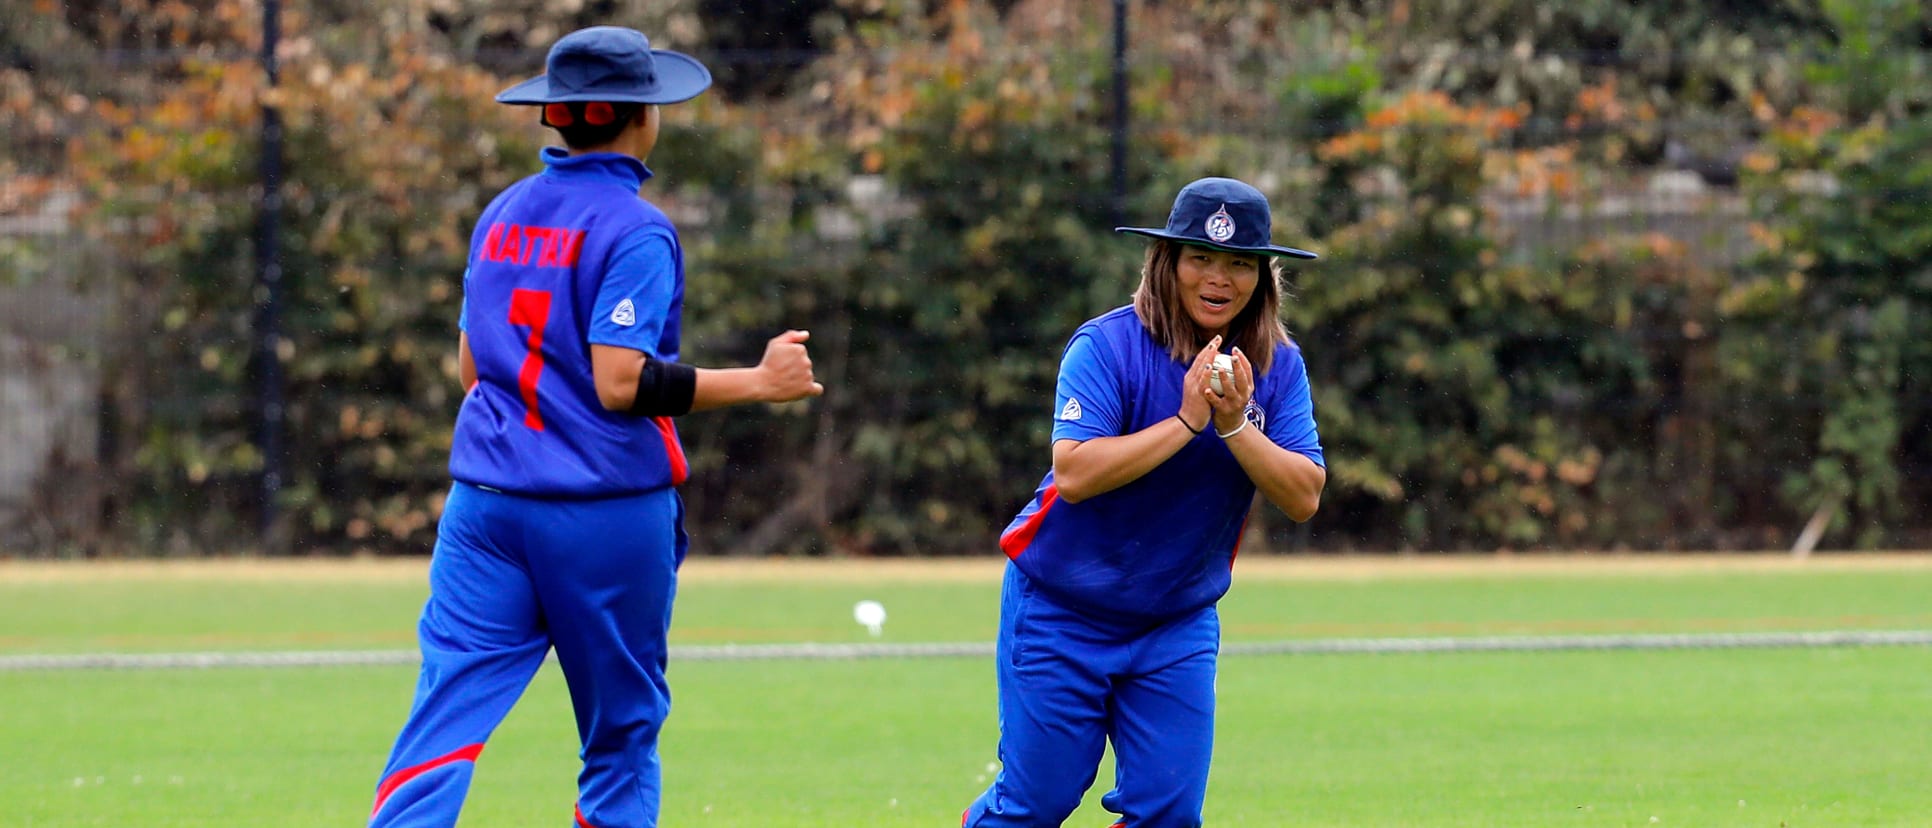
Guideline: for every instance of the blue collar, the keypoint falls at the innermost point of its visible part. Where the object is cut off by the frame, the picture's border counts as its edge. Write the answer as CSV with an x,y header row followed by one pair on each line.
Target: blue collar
x,y
615,167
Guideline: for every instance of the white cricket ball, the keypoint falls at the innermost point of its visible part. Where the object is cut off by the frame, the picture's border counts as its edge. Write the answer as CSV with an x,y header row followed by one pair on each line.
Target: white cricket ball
x,y
1223,364
870,614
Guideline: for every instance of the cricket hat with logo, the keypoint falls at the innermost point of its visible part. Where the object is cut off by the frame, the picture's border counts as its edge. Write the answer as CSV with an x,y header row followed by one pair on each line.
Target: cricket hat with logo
x,y
613,64
1223,214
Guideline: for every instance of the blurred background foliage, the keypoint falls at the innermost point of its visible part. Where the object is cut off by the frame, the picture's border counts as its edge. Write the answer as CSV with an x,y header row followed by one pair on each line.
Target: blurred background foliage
x,y
1603,274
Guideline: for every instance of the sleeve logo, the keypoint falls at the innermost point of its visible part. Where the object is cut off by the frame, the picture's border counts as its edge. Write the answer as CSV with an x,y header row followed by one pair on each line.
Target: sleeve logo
x,y
625,314
1070,411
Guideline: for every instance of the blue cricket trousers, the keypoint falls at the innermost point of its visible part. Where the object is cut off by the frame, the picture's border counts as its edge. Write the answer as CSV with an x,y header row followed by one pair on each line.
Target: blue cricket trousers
x,y
512,577
1069,683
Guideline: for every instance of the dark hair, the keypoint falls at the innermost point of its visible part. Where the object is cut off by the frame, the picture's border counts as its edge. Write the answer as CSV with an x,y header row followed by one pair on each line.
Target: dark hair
x,y
1158,303
586,124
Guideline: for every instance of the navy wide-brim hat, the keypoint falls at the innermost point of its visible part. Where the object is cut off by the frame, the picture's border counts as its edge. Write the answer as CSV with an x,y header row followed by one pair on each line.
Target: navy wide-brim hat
x,y
1224,214
611,63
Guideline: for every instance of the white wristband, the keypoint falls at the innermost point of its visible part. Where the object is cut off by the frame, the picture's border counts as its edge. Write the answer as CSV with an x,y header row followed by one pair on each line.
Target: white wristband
x,y
1237,430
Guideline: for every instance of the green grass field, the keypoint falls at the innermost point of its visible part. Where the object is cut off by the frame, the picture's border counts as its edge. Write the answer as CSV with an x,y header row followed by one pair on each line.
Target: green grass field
x,y
1733,737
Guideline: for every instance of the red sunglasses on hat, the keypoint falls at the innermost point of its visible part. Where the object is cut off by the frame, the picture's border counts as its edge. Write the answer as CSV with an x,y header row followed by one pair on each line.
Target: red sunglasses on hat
x,y
594,113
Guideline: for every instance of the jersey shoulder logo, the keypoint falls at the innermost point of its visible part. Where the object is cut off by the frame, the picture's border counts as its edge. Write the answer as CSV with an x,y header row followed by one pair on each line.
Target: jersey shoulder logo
x,y
1070,411
1256,414
1220,226
625,314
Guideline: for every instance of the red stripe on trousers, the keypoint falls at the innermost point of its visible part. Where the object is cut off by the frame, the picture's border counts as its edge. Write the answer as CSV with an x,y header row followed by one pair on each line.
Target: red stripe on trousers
x,y
467,753
581,822
1016,541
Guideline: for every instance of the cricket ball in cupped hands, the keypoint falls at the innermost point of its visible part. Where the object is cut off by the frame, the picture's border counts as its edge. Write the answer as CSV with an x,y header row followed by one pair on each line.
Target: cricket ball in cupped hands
x,y
1223,364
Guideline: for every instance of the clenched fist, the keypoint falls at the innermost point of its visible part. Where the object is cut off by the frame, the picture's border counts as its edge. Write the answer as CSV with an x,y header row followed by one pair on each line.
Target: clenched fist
x,y
787,368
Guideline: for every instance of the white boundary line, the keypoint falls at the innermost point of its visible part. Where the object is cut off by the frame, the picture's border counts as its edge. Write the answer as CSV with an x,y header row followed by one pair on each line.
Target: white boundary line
x,y
827,652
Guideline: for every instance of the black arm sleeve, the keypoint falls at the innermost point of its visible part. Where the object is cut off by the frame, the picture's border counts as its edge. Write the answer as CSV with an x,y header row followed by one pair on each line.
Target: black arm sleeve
x,y
664,389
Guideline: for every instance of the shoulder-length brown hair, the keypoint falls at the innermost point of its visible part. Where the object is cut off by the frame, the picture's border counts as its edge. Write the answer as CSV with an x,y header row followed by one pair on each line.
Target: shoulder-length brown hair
x,y
1157,301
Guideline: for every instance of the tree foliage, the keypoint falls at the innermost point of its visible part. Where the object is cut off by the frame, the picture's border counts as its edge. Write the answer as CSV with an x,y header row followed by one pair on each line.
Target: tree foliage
x,y
928,187
1840,308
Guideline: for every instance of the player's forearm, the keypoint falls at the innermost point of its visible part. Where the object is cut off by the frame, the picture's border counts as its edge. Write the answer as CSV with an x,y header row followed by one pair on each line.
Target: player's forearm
x,y
721,387
1286,478
783,375
627,380
1083,469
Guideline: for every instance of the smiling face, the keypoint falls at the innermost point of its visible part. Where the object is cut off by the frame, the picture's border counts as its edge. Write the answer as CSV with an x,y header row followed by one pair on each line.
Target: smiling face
x,y
1184,300
1215,285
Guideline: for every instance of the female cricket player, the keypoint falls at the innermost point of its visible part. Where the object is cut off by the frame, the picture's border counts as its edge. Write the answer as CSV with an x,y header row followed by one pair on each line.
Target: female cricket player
x,y
1108,627
563,527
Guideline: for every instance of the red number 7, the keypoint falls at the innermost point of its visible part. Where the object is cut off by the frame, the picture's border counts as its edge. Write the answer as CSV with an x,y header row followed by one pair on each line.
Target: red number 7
x,y
531,308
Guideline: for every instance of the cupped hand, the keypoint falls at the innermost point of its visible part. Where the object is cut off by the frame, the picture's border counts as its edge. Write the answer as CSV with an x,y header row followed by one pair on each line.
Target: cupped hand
x,y
1197,399
1231,406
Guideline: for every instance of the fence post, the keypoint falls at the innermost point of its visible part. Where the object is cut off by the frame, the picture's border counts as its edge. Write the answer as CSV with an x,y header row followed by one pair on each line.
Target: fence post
x,y
268,295
1119,160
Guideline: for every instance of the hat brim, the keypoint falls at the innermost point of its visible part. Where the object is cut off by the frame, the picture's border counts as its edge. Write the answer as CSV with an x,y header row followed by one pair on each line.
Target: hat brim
x,y
1265,250
680,78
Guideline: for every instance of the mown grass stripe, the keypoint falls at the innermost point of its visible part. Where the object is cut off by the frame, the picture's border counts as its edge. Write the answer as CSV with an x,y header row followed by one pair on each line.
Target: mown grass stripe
x,y
829,652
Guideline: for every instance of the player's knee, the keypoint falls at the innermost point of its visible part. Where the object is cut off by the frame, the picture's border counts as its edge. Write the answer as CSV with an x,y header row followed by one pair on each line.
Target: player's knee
x,y
1166,808
1050,807
1012,806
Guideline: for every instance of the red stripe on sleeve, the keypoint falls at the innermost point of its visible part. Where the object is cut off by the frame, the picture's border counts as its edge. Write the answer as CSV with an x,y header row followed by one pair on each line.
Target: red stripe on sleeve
x,y
680,468
1017,540
463,754
581,822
